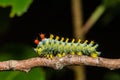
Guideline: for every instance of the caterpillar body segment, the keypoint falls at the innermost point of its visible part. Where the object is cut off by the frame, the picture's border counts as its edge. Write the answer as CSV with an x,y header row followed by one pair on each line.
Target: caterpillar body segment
x,y
50,47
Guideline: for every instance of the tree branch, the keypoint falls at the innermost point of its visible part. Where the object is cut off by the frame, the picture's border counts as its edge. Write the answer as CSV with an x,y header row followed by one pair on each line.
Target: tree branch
x,y
59,63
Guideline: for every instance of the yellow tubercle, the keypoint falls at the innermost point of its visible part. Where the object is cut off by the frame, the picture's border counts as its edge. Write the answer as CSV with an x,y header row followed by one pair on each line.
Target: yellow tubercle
x,y
62,39
79,40
85,41
57,38
73,40
94,55
79,53
67,40
51,36
92,42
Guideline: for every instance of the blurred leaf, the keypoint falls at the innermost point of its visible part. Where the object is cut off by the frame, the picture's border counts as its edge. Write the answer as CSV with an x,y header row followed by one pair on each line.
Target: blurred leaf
x,y
8,75
112,11
4,56
112,76
12,75
34,74
111,3
18,7
17,51
4,20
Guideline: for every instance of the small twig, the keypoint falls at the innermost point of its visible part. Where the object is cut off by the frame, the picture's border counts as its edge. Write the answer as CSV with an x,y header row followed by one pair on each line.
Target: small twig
x,y
59,63
93,18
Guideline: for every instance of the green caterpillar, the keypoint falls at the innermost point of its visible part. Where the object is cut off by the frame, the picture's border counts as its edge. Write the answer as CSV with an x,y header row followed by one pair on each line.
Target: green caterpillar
x,y
50,47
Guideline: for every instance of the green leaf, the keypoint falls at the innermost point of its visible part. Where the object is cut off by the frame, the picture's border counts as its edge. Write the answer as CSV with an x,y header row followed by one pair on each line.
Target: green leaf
x,y
112,76
8,75
34,74
111,3
18,7
12,75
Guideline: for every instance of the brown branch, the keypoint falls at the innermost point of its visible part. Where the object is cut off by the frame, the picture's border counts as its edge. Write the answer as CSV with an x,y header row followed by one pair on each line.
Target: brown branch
x,y
77,20
59,63
77,17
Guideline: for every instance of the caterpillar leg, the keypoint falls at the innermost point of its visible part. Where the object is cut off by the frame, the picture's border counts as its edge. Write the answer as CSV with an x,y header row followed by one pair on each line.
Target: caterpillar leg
x,y
59,55
63,54
51,56
94,55
47,55
79,53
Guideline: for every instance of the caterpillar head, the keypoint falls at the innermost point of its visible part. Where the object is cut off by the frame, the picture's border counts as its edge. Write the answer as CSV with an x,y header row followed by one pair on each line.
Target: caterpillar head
x,y
37,42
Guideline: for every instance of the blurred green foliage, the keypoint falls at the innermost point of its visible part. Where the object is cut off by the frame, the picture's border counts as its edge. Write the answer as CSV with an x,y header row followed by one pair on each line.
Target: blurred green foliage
x,y
16,50
112,10
110,3
18,7
19,51
112,76
34,74
4,20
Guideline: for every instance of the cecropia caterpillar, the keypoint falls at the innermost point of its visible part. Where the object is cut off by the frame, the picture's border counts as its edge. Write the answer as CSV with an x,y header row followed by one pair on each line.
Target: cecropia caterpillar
x,y
56,46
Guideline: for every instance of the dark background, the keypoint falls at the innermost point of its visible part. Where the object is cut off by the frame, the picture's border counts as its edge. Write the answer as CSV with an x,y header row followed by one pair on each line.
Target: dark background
x,y
54,16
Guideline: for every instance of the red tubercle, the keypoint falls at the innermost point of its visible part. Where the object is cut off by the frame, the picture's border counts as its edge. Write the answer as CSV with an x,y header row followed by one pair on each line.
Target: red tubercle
x,y
42,36
36,41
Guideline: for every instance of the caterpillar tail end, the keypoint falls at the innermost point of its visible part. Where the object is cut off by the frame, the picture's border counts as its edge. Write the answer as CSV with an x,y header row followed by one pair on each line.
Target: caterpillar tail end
x,y
95,54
